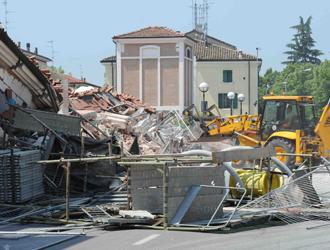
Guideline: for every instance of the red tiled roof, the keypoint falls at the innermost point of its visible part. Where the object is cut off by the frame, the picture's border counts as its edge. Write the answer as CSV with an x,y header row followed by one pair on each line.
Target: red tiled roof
x,y
151,32
217,53
72,79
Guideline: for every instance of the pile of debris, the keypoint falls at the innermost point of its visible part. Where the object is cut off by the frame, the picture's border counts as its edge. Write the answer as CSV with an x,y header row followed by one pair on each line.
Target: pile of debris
x,y
109,116
108,113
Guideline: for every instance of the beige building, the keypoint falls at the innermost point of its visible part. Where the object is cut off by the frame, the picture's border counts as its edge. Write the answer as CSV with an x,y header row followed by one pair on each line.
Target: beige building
x,y
110,70
164,68
225,69
154,64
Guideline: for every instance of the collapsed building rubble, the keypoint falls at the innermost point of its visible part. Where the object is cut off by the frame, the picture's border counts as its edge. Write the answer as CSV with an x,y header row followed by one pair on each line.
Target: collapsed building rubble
x,y
107,160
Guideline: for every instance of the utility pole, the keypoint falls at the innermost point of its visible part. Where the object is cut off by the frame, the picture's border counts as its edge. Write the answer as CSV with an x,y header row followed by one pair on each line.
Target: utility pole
x,y
258,70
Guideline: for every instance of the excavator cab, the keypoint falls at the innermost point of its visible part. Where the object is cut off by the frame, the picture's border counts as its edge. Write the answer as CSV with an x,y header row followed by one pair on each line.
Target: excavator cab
x,y
287,113
288,123
308,117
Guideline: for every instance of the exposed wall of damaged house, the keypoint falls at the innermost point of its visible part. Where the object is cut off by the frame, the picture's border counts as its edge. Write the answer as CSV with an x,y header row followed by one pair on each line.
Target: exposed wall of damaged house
x,y
19,91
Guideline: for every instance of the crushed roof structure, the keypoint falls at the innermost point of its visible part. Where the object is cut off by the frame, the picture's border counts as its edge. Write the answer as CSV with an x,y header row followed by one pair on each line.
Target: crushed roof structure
x,y
75,81
26,70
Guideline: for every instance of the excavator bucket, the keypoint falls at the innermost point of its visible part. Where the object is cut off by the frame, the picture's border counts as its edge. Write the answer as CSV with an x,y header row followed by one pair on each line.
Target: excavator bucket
x,y
323,130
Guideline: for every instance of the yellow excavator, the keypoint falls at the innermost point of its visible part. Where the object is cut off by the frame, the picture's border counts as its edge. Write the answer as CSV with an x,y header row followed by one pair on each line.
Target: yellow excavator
x,y
287,122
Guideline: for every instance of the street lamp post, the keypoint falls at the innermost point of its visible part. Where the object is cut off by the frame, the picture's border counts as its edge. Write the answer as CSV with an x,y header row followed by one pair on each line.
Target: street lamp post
x,y
203,87
241,99
231,96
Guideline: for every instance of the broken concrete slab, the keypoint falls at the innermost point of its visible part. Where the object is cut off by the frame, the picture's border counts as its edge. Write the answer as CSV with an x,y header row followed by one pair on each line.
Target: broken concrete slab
x,y
136,214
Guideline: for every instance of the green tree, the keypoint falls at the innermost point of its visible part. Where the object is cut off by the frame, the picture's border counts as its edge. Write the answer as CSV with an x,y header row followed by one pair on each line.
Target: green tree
x,y
320,84
58,70
293,80
302,45
299,79
266,82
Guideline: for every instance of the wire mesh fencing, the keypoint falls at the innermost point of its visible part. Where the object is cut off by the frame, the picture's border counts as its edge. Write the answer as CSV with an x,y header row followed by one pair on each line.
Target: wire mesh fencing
x,y
305,197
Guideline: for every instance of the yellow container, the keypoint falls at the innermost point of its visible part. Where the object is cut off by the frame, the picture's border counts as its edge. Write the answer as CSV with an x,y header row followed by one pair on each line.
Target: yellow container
x,y
255,180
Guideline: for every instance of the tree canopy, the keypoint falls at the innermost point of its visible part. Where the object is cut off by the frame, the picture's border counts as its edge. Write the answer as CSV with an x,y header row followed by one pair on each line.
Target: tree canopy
x,y
301,48
299,79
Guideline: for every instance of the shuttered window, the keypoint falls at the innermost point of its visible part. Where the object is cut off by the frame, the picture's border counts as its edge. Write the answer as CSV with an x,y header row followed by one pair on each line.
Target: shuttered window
x,y
227,76
224,102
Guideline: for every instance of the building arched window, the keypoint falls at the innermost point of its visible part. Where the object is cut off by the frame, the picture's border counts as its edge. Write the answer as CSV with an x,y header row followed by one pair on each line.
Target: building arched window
x,y
188,53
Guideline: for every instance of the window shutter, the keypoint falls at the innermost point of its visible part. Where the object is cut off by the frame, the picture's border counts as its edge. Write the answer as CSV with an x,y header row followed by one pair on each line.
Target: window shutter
x,y
221,100
230,76
235,104
227,75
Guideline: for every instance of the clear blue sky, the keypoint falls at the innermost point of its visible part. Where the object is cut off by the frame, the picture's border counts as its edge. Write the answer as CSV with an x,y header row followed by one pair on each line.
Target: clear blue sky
x,y
82,30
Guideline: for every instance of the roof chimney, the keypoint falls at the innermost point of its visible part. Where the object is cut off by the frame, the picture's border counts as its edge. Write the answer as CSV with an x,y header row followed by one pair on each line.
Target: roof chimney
x,y
19,44
36,50
28,46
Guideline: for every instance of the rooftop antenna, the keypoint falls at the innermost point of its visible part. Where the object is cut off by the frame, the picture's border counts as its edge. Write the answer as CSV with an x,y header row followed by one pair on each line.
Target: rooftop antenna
x,y
194,13
5,4
81,72
206,20
200,17
51,45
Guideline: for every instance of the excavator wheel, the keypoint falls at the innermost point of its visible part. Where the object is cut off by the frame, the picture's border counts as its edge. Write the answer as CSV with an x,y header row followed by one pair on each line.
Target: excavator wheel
x,y
284,146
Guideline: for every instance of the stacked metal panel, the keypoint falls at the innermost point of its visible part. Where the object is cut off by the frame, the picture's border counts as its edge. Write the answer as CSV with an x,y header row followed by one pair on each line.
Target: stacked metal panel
x,y
21,179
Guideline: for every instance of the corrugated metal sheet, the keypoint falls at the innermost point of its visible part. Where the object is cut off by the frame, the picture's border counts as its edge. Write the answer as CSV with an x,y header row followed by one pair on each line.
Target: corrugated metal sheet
x,y
60,123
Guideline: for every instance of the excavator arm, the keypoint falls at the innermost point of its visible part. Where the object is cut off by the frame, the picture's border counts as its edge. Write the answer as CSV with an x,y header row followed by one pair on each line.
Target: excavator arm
x,y
227,126
322,129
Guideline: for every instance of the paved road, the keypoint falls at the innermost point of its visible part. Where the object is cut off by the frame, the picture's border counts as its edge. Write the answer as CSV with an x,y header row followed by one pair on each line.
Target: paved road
x,y
294,236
